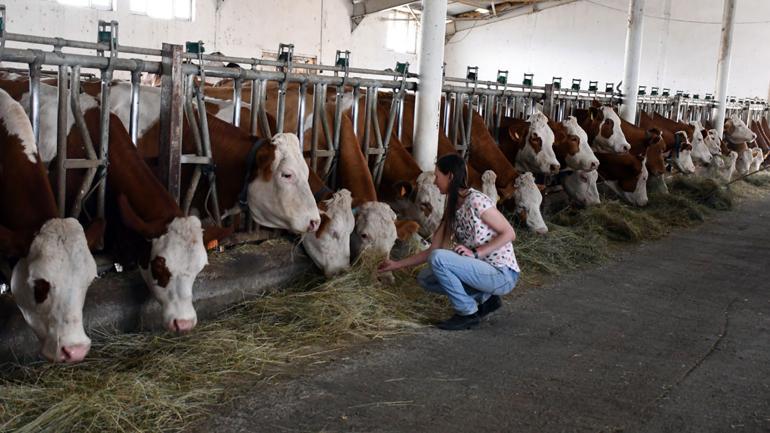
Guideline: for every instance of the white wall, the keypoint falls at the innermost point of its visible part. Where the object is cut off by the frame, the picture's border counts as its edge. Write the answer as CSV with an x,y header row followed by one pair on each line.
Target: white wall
x,y
234,27
586,40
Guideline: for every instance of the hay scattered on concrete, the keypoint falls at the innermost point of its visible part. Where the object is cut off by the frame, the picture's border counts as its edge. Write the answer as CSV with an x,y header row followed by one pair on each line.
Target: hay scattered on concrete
x,y
702,191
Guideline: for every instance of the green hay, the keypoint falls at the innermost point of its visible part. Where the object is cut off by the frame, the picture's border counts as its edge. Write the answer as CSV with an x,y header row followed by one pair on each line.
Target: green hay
x,y
561,250
702,191
760,179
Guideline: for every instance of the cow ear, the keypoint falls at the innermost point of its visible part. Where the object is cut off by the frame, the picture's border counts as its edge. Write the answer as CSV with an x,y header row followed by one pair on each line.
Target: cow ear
x,y
596,113
514,134
540,186
14,244
404,189
148,230
595,104
729,127
213,234
94,233
406,228
558,135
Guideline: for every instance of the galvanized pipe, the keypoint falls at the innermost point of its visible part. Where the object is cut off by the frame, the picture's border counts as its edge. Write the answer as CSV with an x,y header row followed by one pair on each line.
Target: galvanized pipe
x,y
254,111
207,152
34,99
237,89
15,55
301,115
133,123
263,111
723,63
367,121
633,56
354,109
80,122
281,109
61,140
340,94
104,138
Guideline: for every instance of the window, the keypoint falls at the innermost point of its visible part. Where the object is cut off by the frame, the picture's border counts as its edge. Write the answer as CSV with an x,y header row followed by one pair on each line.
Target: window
x,y
105,5
163,9
402,32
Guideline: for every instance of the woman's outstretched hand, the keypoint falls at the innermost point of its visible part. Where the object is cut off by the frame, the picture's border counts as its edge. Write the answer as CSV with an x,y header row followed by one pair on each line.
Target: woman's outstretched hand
x,y
387,265
463,251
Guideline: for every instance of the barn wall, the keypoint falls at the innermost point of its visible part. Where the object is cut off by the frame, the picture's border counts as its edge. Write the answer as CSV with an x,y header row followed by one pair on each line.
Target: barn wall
x,y
586,40
235,27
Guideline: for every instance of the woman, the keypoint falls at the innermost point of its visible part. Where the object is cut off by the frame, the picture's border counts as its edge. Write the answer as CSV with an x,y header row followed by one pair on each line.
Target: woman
x,y
482,265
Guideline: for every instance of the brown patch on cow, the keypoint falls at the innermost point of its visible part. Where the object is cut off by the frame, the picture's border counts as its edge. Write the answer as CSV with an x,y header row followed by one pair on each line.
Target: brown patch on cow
x,y
536,142
426,208
213,234
160,272
325,220
406,228
729,126
607,127
94,233
42,288
573,144
263,166
523,216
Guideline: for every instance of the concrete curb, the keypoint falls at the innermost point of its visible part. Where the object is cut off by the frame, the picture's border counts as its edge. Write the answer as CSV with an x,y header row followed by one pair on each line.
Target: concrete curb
x,y
121,301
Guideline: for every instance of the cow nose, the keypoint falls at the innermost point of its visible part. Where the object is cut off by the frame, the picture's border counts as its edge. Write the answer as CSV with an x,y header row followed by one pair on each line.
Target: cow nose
x,y
594,165
555,168
541,230
313,226
74,353
181,326
626,147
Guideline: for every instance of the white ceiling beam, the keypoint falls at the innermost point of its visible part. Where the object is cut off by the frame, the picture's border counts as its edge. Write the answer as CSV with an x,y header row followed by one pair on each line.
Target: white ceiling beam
x,y
368,7
461,24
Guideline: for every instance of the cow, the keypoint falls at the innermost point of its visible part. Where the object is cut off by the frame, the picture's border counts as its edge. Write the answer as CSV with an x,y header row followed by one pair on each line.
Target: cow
x,y
329,246
580,186
488,188
54,266
626,175
537,154
677,137
570,142
762,140
701,154
431,203
603,127
758,157
580,157
722,168
648,144
736,131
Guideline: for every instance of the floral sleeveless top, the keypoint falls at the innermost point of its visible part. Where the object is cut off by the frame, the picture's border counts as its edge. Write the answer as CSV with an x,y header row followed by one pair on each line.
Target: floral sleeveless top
x,y
472,231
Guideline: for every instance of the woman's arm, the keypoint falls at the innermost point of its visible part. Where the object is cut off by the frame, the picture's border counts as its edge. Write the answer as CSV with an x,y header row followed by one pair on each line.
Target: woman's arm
x,y
416,259
505,233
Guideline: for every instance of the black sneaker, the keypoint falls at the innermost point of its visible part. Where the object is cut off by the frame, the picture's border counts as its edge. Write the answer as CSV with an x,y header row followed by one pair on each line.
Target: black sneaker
x,y
459,322
490,305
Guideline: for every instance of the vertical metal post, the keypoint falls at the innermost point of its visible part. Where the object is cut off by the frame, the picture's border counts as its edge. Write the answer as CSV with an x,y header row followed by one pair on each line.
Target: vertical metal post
x,y
632,59
34,98
104,137
367,121
447,114
171,119
255,89
301,115
548,100
61,140
281,109
723,63
133,124
354,109
237,90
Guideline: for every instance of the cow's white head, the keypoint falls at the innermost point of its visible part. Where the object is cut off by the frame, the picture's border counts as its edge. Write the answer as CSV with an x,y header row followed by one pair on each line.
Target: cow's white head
x,y
279,194
376,227
637,197
50,285
537,154
329,246
757,158
584,159
700,152
736,130
683,160
713,142
528,198
580,186
488,186
430,201
610,137
723,167
176,257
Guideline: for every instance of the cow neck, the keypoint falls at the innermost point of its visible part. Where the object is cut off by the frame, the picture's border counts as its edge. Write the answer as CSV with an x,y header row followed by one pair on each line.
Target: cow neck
x,y
251,160
486,155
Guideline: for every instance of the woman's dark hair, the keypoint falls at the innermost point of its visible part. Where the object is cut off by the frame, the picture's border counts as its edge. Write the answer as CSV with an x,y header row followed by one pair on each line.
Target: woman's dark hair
x,y
452,164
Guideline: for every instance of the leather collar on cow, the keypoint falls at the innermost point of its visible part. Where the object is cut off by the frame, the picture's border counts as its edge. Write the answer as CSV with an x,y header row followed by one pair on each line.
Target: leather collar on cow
x,y
250,160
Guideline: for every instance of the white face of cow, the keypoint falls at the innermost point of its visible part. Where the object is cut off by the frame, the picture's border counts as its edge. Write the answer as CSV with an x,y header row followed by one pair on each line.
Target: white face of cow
x,y
712,141
638,197
581,187
329,247
528,199
584,160
757,158
285,200
700,152
683,162
610,137
537,155
376,226
430,201
50,286
743,163
176,258
723,167
488,186
736,130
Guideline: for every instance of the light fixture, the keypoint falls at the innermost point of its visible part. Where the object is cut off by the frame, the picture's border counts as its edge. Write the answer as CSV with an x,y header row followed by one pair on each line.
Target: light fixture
x,y
482,10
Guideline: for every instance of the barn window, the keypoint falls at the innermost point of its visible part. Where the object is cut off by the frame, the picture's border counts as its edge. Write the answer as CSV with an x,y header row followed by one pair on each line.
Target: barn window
x,y
402,32
163,9
104,5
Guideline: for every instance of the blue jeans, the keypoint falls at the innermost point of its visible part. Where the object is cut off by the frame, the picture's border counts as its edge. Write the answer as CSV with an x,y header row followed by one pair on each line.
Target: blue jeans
x,y
466,281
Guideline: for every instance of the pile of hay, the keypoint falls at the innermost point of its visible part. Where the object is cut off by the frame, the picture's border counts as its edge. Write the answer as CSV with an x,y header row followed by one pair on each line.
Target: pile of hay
x,y
151,382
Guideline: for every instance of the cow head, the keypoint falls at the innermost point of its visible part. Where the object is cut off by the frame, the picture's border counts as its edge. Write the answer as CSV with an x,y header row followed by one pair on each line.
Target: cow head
x,y
177,254
757,157
527,198
743,162
583,158
329,246
723,167
683,160
633,189
713,142
580,186
430,201
736,130
279,195
50,284
700,152
609,135
656,147
537,154
376,227
488,187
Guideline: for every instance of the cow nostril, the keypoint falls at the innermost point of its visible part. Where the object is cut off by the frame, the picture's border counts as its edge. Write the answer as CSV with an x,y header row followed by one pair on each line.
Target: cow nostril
x,y
554,168
313,226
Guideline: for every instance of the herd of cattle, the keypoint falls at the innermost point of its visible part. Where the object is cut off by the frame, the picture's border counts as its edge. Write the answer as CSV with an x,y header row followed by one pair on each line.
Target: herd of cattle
x,y
51,259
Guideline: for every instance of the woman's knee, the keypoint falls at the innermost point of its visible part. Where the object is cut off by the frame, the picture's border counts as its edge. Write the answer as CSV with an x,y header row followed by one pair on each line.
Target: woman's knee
x,y
438,257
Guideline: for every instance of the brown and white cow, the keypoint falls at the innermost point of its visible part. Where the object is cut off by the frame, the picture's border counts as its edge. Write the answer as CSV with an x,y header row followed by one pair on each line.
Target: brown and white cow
x,y
536,154
677,137
329,246
736,131
580,186
55,267
603,127
626,175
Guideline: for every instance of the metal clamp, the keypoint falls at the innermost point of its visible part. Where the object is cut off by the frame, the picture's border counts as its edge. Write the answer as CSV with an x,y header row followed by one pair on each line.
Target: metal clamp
x,y
593,86
576,84
528,80
472,73
502,77
556,82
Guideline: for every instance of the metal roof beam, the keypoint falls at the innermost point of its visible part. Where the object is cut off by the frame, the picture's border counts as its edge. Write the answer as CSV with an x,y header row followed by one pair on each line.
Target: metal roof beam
x,y
368,7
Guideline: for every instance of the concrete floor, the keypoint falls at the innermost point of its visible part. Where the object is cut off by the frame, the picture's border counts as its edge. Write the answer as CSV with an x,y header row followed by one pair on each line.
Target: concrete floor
x,y
672,336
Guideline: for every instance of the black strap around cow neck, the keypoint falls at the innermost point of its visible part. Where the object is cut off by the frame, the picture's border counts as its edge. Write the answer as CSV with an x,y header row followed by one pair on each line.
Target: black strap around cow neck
x,y
251,159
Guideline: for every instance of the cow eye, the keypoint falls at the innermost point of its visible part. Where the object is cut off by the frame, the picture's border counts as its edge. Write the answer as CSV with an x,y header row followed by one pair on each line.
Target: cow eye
x,y
286,175
364,236
42,287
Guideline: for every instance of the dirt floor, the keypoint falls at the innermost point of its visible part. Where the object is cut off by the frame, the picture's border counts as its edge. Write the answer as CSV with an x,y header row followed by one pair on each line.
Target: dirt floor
x,y
670,336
